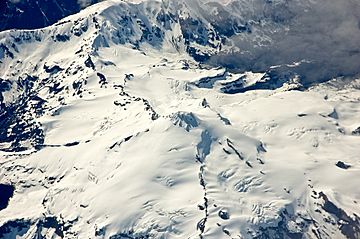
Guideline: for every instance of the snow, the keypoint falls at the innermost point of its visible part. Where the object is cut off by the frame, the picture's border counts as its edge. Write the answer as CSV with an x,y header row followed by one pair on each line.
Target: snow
x,y
150,154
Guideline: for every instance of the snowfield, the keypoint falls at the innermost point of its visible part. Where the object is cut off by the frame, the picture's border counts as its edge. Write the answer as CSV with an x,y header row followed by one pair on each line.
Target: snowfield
x,y
111,129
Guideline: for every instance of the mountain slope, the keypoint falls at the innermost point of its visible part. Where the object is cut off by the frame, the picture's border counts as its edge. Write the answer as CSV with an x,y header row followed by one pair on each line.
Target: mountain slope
x,y
113,127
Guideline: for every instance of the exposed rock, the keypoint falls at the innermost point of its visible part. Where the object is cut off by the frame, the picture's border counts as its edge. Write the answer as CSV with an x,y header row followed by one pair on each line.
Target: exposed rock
x,y
342,165
6,192
224,214
356,132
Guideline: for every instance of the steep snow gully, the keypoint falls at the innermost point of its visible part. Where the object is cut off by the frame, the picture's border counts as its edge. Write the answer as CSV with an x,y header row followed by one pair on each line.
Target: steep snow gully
x,y
168,119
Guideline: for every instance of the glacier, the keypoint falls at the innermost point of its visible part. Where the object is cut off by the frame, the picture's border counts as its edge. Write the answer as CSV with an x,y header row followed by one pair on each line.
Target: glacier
x,y
173,119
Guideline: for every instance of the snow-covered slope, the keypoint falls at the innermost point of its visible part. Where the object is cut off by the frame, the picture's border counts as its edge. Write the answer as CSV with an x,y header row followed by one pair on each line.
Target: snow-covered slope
x,y
111,127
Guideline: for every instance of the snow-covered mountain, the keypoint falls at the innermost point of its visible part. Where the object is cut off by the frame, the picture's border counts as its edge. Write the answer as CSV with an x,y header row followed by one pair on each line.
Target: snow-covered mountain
x,y
150,119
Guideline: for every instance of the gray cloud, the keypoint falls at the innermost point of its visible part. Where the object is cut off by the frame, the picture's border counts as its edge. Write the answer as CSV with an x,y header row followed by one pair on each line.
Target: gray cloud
x,y
323,33
85,3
